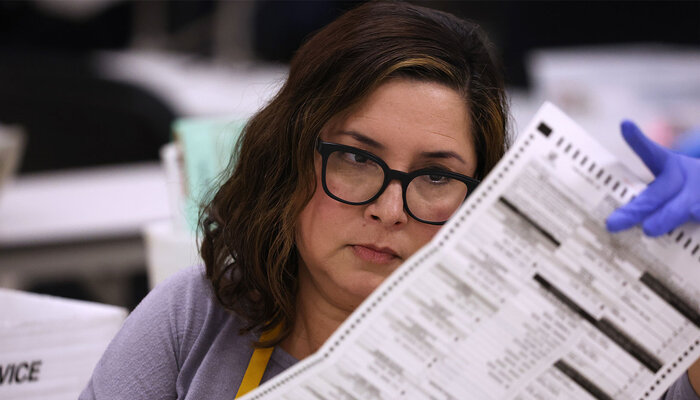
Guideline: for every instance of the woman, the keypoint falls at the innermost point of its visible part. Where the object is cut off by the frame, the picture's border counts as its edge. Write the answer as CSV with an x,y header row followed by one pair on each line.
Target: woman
x,y
307,226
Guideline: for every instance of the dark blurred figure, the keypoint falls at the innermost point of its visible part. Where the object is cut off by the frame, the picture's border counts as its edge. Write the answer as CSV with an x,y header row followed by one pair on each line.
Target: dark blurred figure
x,y
73,116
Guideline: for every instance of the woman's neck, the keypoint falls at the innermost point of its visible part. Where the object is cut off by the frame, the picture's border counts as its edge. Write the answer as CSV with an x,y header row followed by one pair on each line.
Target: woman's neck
x,y
316,319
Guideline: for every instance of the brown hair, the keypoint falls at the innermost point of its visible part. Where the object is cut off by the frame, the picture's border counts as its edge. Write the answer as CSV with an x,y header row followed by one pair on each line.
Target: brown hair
x,y
249,226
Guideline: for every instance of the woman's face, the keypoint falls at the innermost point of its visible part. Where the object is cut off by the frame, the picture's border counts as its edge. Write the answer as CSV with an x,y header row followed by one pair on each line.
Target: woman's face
x,y
346,251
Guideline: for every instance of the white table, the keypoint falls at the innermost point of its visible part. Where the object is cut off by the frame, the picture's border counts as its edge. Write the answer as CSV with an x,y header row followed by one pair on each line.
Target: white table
x,y
81,223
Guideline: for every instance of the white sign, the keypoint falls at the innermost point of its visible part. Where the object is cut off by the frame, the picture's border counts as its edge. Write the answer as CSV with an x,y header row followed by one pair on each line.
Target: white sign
x,y
49,345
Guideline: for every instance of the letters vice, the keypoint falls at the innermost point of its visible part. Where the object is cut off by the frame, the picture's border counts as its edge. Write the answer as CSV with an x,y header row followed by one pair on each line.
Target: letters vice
x,y
20,372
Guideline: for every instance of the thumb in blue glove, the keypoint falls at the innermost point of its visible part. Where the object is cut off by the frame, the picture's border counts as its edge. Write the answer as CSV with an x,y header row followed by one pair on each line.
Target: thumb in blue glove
x,y
672,199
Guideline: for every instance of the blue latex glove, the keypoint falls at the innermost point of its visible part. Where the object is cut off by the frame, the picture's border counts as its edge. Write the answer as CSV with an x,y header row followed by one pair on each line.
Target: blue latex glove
x,y
672,199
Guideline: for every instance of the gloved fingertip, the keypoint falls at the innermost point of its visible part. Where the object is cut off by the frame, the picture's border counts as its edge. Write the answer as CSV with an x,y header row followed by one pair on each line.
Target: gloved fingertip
x,y
652,154
619,221
627,124
629,129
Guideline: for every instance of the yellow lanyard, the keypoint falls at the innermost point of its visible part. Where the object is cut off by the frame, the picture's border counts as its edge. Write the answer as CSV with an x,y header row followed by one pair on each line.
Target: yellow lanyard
x,y
258,363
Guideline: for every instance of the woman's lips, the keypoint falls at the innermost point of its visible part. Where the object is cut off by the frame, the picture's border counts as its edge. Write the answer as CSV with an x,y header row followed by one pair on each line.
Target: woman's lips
x,y
374,255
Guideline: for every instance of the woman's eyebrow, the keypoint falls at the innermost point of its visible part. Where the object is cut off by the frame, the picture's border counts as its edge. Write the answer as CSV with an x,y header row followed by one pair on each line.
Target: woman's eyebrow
x,y
364,139
442,155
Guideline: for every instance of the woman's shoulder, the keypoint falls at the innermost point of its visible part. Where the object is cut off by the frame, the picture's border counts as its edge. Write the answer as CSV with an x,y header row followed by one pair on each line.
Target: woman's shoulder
x,y
179,340
190,280
178,309
186,288
188,300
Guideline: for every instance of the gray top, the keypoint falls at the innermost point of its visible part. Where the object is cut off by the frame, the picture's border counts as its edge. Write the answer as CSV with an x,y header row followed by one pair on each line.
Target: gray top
x,y
180,343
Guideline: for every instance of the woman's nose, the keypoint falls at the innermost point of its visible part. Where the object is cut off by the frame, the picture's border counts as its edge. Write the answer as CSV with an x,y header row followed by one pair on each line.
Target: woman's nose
x,y
388,209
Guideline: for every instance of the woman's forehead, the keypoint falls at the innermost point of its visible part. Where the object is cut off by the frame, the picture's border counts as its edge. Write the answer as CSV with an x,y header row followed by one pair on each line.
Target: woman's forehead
x,y
408,116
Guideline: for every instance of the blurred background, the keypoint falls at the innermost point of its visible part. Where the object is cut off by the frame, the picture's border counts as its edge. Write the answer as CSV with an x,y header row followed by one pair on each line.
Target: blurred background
x,y
112,113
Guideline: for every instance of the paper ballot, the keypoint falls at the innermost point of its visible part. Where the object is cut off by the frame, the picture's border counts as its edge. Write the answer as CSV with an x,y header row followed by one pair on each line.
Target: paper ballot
x,y
523,294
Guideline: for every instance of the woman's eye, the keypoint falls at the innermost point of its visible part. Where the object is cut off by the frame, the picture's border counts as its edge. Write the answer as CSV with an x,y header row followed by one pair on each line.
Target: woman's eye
x,y
360,158
355,158
437,179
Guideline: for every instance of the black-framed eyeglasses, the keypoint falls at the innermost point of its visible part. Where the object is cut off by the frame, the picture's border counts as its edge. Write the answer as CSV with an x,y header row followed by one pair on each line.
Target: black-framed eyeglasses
x,y
355,176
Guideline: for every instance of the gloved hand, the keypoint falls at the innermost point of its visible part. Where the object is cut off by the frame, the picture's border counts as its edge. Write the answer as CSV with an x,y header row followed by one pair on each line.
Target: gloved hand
x,y
671,199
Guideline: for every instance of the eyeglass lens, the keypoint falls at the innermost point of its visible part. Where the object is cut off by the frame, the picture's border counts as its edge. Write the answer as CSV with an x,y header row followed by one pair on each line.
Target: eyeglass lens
x,y
355,178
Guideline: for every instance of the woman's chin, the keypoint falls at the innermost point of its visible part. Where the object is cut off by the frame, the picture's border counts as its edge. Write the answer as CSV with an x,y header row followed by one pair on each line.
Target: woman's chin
x,y
363,285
